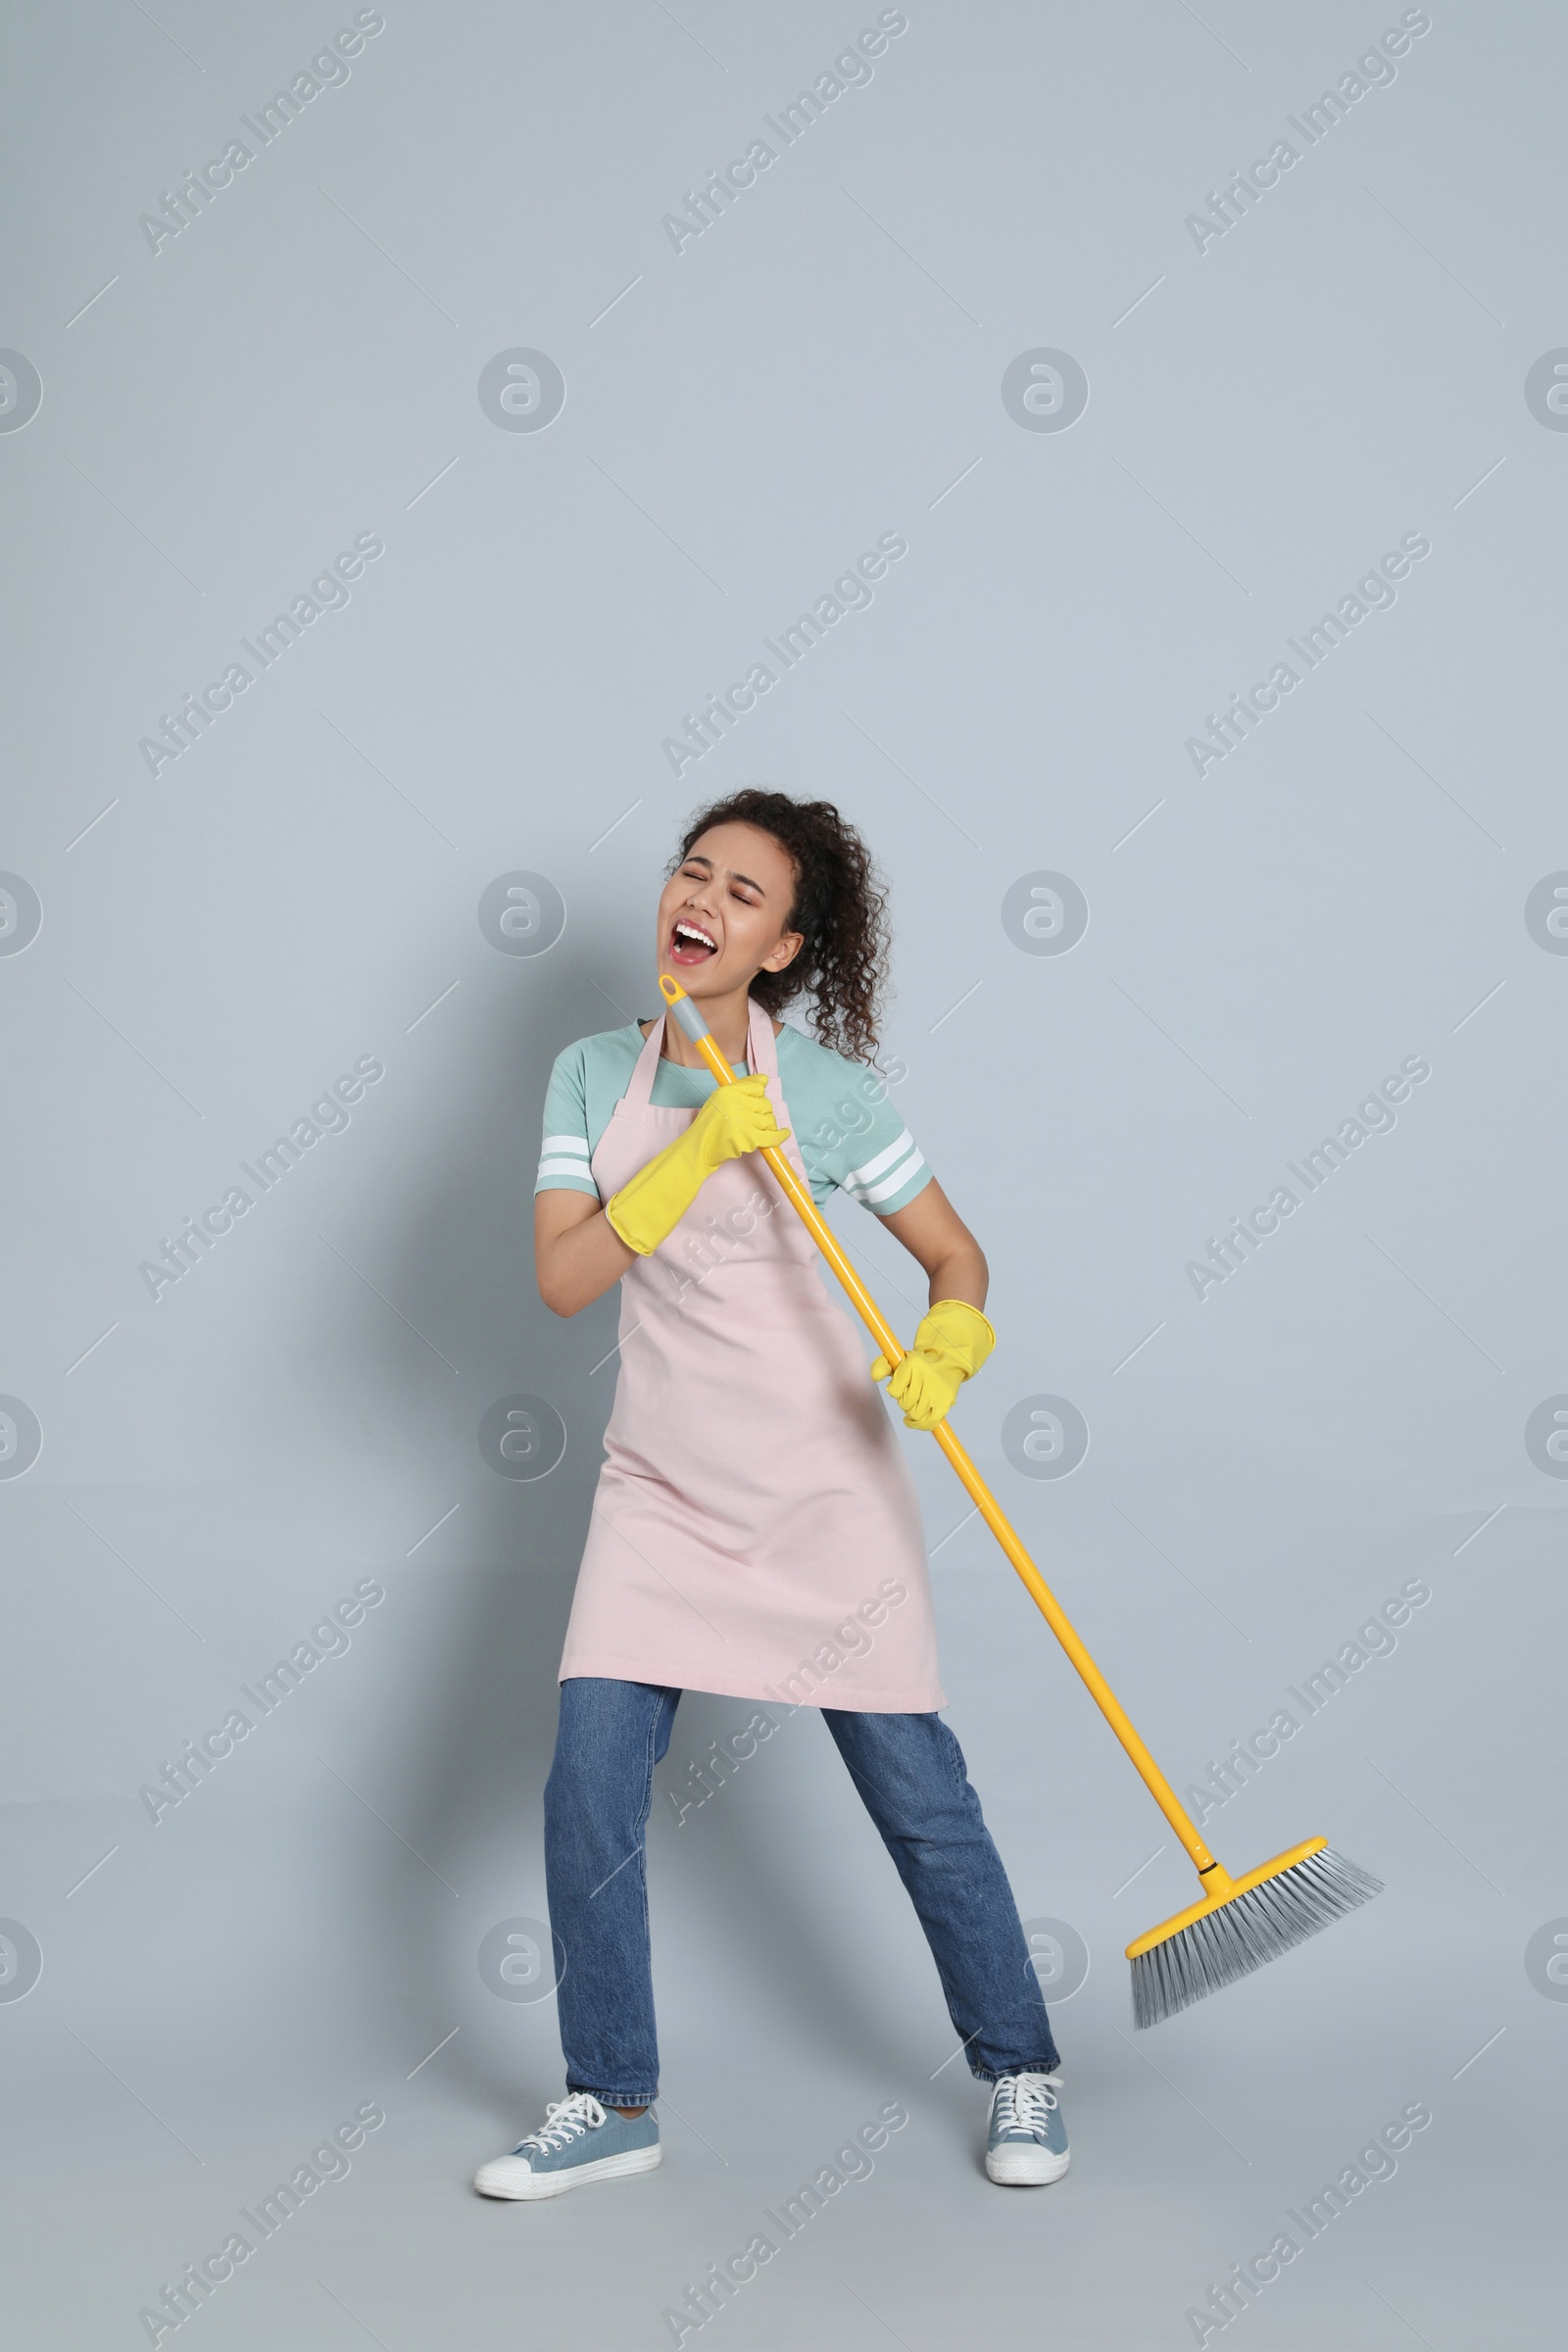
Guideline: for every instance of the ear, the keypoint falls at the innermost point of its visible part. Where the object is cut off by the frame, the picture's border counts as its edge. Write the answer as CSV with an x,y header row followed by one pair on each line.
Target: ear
x,y
789,946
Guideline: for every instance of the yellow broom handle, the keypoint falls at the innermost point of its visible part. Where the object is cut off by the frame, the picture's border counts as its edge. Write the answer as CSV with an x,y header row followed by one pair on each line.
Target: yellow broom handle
x,y
871,1315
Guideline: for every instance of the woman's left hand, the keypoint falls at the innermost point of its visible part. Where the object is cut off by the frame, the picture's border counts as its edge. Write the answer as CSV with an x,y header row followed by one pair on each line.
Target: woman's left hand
x,y
950,1345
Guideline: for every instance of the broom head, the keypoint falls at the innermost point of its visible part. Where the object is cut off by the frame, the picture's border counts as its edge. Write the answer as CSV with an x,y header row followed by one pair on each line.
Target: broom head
x,y
1241,1924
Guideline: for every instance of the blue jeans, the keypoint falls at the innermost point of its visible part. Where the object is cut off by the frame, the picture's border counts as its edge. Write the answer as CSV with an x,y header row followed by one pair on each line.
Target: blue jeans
x,y
911,1774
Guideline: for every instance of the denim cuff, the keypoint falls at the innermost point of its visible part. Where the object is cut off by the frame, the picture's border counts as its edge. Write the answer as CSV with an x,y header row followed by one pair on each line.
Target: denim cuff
x,y
984,2074
615,2098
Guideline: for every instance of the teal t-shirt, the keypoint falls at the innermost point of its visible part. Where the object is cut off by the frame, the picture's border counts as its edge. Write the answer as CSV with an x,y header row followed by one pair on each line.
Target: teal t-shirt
x,y
849,1136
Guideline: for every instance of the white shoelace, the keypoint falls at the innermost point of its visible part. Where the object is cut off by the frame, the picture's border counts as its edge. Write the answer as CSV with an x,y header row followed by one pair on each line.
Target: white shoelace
x,y
1024,2103
564,2120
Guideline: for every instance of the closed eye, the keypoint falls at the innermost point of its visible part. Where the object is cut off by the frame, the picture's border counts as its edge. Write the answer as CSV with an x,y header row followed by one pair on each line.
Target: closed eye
x,y
738,888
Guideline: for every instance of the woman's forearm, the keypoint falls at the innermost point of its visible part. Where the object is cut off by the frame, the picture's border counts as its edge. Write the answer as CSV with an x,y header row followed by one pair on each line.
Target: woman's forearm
x,y
576,1266
961,1273
933,1234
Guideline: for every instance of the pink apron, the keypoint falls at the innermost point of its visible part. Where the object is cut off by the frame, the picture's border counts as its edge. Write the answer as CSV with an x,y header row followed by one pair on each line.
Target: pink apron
x,y
755,1530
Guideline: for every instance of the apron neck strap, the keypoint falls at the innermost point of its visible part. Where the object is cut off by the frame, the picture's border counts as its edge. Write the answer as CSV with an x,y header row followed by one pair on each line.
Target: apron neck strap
x,y
642,1077
762,1046
762,1054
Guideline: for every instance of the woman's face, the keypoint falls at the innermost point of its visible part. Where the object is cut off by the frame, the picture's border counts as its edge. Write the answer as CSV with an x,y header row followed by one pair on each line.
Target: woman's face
x,y
723,911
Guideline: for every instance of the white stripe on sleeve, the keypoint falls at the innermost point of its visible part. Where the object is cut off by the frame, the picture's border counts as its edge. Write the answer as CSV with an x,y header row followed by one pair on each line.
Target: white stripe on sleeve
x,y
576,1144
858,1177
904,1173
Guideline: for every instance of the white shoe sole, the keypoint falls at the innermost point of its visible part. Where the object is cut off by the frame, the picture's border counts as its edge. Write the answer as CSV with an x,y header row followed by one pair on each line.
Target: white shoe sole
x,y
1018,2167
509,2176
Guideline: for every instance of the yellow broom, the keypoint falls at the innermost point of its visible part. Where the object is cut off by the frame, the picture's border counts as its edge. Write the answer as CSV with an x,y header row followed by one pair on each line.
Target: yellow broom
x,y
1238,1924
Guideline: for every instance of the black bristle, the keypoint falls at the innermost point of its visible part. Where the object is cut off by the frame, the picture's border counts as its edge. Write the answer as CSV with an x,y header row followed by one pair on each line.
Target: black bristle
x,y
1243,1935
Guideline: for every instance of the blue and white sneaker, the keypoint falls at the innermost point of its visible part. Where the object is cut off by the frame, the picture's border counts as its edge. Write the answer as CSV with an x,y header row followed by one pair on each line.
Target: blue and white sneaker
x,y
1027,2144
579,2141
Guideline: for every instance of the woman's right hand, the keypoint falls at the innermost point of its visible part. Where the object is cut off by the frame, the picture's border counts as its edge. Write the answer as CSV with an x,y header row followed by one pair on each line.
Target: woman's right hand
x,y
735,1119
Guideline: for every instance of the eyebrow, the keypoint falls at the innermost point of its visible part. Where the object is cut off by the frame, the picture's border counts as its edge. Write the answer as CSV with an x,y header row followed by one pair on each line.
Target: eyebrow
x,y
697,858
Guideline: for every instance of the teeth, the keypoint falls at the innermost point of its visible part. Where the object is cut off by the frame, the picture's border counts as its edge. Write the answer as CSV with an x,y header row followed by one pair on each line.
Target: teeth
x,y
690,931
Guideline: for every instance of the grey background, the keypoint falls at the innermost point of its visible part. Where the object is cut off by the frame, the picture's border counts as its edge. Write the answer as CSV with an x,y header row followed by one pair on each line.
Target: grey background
x,y
301,888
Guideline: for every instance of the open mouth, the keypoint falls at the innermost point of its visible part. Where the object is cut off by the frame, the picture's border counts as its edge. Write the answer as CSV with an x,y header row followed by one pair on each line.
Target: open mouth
x,y
690,944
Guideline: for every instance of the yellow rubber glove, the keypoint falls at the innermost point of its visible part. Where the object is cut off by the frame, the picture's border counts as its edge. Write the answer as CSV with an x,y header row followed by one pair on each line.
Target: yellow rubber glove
x,y
734,1120
952,1344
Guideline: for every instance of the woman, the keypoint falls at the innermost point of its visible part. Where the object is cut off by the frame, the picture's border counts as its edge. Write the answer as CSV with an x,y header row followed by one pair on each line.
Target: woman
x,y
754,1503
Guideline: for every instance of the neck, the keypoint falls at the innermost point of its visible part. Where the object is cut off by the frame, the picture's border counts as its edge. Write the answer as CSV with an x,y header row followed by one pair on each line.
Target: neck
x,y
729,1018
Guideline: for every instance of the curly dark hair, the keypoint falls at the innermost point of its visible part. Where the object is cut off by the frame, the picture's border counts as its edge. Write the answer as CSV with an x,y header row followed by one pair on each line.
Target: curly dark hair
x,y
839,907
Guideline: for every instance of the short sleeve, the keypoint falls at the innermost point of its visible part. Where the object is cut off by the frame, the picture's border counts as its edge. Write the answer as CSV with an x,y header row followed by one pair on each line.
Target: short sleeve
x,y
565,1157
892,1176
852,1137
